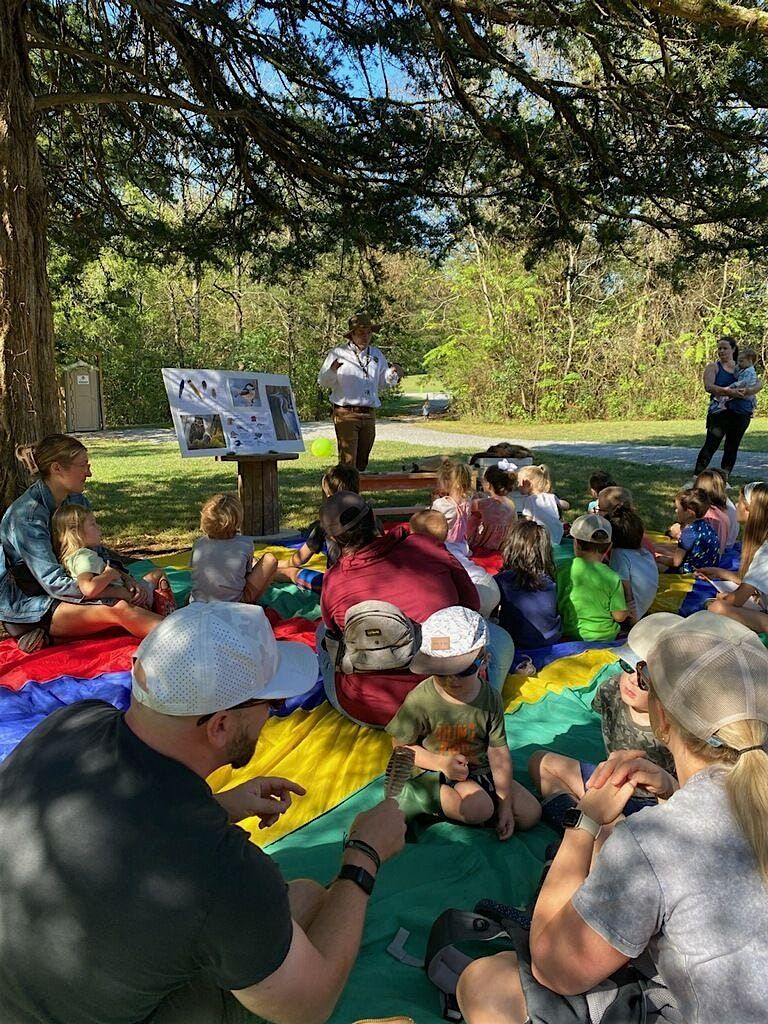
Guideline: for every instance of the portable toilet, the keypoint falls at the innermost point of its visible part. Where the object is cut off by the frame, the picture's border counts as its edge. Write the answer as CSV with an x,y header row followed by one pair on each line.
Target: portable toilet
x,y
82,397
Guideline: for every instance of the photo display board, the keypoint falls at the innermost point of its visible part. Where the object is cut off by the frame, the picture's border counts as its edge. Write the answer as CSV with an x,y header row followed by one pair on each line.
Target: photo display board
x,y
223,412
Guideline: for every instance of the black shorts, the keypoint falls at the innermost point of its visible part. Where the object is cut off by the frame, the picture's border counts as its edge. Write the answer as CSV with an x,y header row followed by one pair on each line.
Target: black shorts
x,y
485,781
19,629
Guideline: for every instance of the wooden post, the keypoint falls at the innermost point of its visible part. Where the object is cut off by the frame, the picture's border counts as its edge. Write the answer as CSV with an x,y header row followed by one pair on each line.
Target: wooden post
x,y
258,491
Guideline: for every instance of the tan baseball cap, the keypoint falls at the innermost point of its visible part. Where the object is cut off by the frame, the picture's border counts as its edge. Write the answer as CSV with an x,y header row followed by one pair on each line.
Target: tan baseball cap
x,y
591,528
707,680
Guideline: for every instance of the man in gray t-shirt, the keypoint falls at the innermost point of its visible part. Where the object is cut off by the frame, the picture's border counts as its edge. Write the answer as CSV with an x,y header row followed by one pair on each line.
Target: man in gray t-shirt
x,y
661,881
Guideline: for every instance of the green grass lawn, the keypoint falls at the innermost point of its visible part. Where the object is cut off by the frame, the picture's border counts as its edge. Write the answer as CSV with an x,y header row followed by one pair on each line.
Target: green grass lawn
x,y
148,498
686,433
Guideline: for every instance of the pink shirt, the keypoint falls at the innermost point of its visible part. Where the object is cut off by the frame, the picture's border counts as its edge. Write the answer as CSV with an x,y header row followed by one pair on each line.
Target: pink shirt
x,y
718,517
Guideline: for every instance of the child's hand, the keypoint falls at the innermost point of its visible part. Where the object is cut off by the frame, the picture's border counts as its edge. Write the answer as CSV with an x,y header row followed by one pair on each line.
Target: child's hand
x,y
505,826
110,574
456,767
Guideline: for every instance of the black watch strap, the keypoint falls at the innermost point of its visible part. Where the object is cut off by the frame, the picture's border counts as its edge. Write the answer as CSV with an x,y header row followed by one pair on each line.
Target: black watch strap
x,y
359,876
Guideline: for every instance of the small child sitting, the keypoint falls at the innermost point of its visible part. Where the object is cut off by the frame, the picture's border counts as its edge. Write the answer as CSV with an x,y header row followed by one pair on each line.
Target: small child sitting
x,y
528,609
622,702
76,536
713,484
598,481
453,498
635,565
697,542
337,478
433,524
223,563
538,502
454,723
492,514
590,596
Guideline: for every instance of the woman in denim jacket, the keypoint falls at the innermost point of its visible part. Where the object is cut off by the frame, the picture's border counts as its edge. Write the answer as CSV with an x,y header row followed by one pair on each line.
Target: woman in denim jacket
x,y
38,598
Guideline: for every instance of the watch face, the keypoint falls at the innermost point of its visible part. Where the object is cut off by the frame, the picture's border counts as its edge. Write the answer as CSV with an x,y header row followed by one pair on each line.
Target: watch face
x,y
571,817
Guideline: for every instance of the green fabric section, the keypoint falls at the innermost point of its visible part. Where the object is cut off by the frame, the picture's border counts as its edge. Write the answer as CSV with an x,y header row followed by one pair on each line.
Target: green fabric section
x,y
450,865
292,602
562,552
180,579
287,600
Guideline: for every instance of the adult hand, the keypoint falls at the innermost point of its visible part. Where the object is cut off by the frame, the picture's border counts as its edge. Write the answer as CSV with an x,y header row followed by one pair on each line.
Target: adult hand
x,y
265,798
138,597
605,804
633,766
382,827
674,531
505,824
456,767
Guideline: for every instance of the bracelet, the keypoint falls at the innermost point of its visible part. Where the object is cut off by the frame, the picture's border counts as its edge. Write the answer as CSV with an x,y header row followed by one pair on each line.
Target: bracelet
x,y
362,847
362,878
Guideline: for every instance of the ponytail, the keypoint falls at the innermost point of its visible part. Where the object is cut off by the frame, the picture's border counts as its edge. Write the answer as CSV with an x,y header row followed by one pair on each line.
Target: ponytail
x,y
747,784
744,755
756,526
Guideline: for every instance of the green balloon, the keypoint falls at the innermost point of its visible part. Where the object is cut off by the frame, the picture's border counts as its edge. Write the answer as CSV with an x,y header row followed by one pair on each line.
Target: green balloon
x,y
322,447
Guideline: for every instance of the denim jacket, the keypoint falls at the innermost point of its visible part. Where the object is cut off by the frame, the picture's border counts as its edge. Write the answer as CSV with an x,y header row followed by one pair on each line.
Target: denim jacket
x,y
31,576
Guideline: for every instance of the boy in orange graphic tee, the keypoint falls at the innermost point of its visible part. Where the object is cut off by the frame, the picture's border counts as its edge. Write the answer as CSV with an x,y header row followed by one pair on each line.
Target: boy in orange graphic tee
x,y
454,722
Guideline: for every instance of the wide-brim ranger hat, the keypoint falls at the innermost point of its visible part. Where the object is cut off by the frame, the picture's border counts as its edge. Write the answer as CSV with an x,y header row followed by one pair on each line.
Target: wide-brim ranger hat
x,y
706,682
342,512
591,528
361,321
451,639
214,655
644,634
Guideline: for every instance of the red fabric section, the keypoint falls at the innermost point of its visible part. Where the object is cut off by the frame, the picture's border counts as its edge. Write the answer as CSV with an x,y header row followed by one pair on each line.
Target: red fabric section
x,y
491,562
83,659
374,699
301,630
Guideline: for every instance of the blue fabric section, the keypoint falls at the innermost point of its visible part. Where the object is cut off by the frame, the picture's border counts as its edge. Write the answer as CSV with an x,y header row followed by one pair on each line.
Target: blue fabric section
x,y
21,710
703,591
543,656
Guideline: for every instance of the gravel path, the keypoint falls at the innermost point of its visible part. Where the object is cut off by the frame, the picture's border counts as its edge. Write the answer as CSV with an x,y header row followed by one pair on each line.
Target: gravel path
x,y
750,464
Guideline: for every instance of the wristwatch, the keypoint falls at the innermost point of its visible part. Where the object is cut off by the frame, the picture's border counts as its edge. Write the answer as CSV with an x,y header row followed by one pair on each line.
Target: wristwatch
x,y
359,876
574,818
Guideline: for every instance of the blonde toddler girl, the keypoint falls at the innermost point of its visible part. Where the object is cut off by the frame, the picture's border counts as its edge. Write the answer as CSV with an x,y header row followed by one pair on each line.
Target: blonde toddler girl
x,y
538,502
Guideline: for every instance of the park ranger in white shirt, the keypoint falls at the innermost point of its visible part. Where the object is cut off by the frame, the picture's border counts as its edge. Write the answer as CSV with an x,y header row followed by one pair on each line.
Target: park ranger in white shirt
x,y
355,373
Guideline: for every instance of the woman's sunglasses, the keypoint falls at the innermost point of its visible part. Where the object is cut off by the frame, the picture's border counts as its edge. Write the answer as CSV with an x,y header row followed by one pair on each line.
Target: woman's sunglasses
x,y
641,669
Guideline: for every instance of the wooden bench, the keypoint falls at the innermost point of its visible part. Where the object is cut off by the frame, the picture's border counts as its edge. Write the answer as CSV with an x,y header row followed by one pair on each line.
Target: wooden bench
x,y
403,512
404,481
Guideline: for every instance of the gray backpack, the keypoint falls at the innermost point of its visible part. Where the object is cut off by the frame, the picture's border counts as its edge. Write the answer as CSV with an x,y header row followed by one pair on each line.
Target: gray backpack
x,y
378,637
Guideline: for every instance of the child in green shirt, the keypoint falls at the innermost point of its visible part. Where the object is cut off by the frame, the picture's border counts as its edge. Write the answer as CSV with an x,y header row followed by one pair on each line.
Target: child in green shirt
x,y
590,596
454,723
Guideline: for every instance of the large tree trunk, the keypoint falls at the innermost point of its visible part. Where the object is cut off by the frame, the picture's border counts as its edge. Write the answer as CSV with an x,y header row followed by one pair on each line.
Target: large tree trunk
x,y
28,399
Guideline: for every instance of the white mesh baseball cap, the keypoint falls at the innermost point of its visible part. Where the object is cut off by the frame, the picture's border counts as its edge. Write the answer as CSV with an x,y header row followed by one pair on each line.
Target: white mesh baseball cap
x,y
706,680
214,655
451,639
644,635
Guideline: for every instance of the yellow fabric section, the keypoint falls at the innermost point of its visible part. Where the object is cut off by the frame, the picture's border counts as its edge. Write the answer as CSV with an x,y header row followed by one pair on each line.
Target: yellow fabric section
x,y
181,559
322,751
565,673
673,586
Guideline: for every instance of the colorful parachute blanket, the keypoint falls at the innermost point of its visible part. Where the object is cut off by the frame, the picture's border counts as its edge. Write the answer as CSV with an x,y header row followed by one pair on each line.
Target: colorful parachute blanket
x,y
340,764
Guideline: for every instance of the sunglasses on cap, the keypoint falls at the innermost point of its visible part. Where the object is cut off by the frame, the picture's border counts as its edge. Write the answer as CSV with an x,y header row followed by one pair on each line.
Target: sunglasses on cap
x,y
274,704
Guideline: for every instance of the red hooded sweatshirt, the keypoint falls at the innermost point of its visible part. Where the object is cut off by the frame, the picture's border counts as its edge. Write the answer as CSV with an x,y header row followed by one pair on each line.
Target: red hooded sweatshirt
x,y
415,573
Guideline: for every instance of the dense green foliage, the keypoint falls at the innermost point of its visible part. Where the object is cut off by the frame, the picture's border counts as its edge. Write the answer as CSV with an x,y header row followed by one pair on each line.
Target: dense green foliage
x,y
583,335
